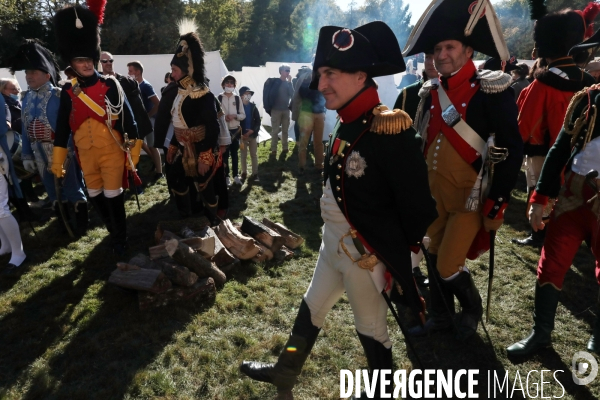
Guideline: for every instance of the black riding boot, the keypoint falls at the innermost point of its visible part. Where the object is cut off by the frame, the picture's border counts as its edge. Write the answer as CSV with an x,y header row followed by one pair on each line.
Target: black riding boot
x,y
284,373
468,296
183,203
378,358
118,237
544,311
100,204
81,217
442,310
594,342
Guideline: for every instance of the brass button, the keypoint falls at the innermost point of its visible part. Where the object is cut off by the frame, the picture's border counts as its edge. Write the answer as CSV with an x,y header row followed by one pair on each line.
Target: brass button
x,y
324,154
330,135
337,177
339,166
337,188
339,199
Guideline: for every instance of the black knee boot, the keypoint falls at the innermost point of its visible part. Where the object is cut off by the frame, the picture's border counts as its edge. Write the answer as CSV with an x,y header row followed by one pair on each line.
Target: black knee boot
x,y
468,296
378,358
441,310
284,373
64,220
544,311
183,203
118,237
100,204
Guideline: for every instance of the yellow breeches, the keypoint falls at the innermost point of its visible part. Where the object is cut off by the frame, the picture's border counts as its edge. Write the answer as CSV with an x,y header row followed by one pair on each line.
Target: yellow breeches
x,y
102,159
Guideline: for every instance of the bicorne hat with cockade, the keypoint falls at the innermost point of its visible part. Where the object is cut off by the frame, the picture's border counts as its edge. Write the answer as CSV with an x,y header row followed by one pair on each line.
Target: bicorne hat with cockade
x,y
371,48
189,55
472,22
77,32
33,55
592,40
554,34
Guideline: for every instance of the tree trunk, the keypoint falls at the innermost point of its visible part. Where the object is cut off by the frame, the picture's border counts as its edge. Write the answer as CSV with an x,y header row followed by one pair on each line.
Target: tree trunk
x,y
241,246
184,255
202,291
265,235
292,240
149,280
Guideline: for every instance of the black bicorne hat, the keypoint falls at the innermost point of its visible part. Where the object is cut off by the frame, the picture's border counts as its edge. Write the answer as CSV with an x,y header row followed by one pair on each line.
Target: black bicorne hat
x,y
77,34
472,22
33,55
189,56
372,48
494,64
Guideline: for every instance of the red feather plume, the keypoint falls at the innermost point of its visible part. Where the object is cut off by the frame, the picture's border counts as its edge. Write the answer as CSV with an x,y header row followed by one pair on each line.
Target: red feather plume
x,y
590,12
97,7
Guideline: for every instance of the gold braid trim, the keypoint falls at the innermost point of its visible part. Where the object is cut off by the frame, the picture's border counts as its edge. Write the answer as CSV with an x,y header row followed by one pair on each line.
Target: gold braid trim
x,y
389,122
575,128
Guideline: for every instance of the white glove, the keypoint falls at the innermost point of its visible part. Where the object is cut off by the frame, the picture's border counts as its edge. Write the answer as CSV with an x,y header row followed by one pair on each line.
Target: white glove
x,y
536,215
30,166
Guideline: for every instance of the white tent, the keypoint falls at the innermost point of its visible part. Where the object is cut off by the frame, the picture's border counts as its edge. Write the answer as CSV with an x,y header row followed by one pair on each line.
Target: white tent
x,y
155,68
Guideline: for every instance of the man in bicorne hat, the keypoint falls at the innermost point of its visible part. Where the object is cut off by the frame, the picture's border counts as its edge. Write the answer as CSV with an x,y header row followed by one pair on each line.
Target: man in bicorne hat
x,y
542,105
569,173
95,109
40,112
370,223
469,114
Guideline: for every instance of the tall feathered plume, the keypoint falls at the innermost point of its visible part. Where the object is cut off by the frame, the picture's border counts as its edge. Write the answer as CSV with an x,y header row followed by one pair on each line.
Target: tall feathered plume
x,y
97,7
537,9
186,25
589,15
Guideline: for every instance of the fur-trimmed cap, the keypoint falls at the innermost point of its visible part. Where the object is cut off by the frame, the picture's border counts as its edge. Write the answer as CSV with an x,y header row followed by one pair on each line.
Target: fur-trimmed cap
x,y
77,34
555,33
33,55
189,56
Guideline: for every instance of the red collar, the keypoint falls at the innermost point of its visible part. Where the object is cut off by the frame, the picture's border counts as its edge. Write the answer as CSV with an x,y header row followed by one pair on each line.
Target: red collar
x,y
465,73
361,103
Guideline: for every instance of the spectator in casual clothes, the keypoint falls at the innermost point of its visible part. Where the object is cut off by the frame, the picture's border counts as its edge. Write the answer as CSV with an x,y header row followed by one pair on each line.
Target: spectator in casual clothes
x,y
234,113
250,129
296,103
520,81
10,91
311,120
277,94
150,99
168,80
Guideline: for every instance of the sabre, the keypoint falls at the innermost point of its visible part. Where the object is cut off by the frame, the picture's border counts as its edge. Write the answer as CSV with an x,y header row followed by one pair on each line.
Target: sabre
x,y
491,275
61,209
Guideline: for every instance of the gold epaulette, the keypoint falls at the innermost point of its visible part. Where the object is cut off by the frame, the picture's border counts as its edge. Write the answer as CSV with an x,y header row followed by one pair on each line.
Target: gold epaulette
x,y
389,122
493,81
587,116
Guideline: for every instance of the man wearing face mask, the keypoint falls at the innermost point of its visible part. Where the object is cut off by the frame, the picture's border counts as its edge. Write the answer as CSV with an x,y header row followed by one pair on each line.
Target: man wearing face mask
x,y
10,91
39,117
95,109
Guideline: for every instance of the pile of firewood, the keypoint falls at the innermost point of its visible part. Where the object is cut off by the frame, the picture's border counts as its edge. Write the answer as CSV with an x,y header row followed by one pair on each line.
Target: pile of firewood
x,y
190,259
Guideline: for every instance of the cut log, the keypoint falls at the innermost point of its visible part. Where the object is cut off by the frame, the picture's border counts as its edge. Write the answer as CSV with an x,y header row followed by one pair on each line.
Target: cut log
x,y
267,236
283,254
178,274
239,245
195,224
222,257
163,236
292,240
264,254
127,267
202,291
206,247
149,280
143,261
184,255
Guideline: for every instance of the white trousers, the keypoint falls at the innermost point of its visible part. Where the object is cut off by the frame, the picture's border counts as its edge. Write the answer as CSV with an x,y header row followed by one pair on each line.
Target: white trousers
x,y
336,273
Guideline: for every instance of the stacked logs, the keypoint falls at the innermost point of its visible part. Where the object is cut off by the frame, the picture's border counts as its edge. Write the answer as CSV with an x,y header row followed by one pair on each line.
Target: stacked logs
x,y
190,259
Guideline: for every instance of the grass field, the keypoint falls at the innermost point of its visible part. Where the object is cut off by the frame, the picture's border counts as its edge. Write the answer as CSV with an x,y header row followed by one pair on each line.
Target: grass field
x,y
66,334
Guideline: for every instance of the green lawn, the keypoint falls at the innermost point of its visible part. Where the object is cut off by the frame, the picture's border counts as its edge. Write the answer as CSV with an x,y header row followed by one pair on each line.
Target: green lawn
x,y
66,334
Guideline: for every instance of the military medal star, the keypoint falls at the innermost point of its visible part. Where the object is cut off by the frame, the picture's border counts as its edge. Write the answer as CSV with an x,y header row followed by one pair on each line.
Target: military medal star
x,y
355,165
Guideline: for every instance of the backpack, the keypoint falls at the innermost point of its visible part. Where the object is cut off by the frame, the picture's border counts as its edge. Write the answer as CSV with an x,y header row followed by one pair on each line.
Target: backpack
x,y
132,91
237,102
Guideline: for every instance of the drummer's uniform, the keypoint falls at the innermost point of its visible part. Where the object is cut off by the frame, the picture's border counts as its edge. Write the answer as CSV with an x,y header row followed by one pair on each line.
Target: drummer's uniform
x,y
40,113
488,107
372,161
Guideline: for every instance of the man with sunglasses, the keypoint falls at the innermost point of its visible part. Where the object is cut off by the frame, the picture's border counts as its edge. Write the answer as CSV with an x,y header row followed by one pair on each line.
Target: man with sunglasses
x,y
277,94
